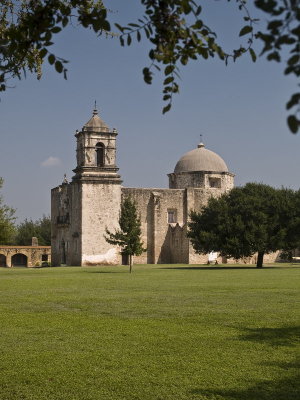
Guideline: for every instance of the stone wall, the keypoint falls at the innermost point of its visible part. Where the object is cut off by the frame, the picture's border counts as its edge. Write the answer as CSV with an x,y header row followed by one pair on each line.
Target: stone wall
x,y
66,217
153,206
100,210
167,242
268,259
34,255
200,179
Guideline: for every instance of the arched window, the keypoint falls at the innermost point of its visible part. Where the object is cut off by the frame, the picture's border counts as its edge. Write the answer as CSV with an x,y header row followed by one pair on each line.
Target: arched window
x,y
100,150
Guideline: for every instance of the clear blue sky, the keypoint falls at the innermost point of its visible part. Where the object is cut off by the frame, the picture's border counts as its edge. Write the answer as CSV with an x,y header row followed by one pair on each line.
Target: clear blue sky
x,y
239,109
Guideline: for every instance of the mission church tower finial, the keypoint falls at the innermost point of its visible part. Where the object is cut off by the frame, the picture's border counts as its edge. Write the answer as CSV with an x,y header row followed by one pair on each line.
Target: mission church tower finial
x,y
95,112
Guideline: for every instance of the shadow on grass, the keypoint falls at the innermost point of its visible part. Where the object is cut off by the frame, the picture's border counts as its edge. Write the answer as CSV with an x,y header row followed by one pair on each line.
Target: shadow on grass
x,y
284,336
90,271
231,267
284,388
287,388
214,268
284,364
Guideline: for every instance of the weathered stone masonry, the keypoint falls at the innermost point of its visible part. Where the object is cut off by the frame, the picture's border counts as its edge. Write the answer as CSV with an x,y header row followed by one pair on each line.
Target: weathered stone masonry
x,y
25,256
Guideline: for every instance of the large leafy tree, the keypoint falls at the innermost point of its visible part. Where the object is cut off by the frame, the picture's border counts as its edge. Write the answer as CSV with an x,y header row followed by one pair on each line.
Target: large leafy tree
x,y
252,219
128,237
7,219
176,30
41,229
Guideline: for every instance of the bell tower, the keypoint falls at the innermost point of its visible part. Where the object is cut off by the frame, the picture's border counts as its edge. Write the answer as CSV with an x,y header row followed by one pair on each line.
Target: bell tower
x,y
96,191
96,152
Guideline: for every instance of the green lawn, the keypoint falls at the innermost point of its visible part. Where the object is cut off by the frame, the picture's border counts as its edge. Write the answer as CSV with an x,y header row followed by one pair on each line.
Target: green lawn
x,y
160,333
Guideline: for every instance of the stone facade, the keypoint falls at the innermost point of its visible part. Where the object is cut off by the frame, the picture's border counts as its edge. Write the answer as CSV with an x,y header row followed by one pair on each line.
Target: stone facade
x,y
82,209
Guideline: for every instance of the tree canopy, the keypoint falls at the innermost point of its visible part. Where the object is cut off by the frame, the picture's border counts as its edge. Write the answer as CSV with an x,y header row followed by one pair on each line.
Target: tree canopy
x,y
175,28
7,219
128,237
252,219
41,229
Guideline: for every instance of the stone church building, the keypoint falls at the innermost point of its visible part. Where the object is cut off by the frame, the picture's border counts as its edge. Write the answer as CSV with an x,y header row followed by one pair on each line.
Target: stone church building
x,y
83,208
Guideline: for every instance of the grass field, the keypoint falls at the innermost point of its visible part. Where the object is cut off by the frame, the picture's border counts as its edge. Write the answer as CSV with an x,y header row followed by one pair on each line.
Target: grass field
x,y
160,333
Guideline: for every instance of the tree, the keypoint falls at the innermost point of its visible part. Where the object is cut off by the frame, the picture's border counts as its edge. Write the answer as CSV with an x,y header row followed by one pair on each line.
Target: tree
x,y
175,28
44,230
28,229
252,219
7,219
128,237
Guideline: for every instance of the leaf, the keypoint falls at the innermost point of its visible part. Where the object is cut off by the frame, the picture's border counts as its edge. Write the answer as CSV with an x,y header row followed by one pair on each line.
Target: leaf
x,y
276,23
245,30
184,60
294,100
119,27
198,24
128,40
274,56
147,76
169,69
43,52
51,59
166,108
168,80
198,11
147,32
138,36
58,66
252,54
293,60
65,21
293,123
105,25
56,29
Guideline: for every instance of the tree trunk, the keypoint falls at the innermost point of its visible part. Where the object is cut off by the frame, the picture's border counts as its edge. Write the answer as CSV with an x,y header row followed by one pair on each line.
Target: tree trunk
x,y
260,258
130,263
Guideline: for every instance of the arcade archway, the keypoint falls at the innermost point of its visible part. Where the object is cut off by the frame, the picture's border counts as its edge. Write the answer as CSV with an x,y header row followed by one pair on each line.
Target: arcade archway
x,y
2,260
19,260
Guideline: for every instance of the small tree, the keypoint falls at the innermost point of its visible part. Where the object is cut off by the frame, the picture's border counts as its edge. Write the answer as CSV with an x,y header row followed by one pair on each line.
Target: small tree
x,y
252,219
128,237
7,218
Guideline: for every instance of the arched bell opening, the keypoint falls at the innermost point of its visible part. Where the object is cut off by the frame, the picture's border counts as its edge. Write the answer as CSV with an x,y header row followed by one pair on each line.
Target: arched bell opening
x,y
100,153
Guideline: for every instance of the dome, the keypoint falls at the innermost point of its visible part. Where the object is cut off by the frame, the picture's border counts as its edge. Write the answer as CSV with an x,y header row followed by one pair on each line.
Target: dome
x,y
201,159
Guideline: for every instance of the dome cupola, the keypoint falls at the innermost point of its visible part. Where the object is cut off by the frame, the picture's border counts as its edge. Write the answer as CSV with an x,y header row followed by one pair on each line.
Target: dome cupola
x,y
201,168
200,159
